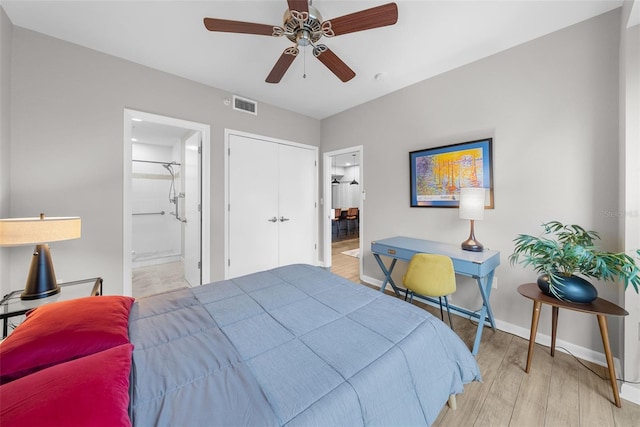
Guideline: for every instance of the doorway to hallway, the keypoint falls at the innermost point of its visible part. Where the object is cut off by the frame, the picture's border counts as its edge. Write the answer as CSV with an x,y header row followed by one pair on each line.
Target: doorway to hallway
x,y
343,211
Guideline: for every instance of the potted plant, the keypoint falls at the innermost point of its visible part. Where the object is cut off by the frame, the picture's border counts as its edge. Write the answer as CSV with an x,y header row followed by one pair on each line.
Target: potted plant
x,y
562,252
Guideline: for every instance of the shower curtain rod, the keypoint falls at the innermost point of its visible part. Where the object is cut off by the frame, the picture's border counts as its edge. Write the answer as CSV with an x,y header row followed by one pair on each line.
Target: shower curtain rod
x,y
159,163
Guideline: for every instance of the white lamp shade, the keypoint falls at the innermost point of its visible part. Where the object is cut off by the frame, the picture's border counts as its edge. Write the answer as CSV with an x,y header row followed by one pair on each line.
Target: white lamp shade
x,y
30,231
472,203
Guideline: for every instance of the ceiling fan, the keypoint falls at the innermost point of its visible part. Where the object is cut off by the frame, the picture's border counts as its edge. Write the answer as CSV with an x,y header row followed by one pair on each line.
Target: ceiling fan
x,y
303,25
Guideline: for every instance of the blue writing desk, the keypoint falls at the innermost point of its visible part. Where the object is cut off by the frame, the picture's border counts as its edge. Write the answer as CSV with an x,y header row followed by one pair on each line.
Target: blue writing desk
x,y
479,265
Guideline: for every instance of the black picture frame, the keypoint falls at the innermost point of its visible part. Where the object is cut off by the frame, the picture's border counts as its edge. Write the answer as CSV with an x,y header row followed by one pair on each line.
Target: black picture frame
x,y
437,174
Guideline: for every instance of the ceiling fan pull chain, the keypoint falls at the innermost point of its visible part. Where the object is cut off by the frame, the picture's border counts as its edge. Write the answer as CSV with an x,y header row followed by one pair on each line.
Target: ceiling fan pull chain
x,y
304,64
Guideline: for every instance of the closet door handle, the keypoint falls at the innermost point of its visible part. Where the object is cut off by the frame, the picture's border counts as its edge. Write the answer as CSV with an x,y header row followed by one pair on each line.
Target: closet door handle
x,y
274,219
283,219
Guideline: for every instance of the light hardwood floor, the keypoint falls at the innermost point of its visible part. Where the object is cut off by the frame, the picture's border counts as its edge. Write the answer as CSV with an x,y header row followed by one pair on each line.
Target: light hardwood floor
x,y
558,391
155,279
344,265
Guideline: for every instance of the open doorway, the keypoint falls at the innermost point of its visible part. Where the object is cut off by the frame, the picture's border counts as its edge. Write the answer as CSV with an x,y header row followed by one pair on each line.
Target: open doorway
x,y
165,210
343,211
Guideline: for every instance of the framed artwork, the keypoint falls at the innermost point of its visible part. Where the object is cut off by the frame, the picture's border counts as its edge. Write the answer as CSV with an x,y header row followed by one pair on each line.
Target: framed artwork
x,y
438,174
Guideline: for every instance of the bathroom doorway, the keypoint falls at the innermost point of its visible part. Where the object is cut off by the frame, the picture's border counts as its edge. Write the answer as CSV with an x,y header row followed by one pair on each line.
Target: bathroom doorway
x,y
165,199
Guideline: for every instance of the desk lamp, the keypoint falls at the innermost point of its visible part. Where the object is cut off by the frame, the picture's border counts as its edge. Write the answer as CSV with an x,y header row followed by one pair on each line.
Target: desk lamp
x,y
472,208
41,281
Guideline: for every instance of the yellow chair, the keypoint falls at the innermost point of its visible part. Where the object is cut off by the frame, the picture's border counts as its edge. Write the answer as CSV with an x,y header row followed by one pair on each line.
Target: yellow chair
x,y
431,275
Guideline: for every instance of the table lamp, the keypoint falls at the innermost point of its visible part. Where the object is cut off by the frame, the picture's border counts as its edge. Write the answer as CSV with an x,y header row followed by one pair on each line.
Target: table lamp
x,y
472,208
41,281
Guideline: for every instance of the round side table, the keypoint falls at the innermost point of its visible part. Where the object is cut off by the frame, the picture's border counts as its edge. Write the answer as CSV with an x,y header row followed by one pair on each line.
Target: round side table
x,y
599,307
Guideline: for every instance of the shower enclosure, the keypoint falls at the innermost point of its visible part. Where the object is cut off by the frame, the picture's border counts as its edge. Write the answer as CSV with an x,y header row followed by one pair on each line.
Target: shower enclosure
x,y
163,204
157,202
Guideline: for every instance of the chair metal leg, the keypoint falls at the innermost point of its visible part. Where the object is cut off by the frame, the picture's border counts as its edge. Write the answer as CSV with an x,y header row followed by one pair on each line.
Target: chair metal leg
x,y
349,223
446,301
441,313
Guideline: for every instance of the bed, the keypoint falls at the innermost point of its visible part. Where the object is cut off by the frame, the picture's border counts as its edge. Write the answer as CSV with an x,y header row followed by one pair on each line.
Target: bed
x,y
291,346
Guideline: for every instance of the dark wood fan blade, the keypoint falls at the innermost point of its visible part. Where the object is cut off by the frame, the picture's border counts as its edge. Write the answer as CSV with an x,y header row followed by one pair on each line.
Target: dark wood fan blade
x,y
376,17
227,26
299,5
333,63
283,64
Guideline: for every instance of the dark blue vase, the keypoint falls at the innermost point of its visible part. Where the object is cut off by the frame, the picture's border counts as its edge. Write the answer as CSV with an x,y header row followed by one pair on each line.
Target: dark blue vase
x,y
570,288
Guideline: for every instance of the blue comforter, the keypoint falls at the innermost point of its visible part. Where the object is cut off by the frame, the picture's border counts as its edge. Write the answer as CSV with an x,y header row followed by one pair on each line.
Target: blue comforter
x,y
292,346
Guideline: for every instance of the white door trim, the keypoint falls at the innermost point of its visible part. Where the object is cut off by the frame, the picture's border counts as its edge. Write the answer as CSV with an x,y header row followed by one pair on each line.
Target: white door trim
x,y
127,222
227,134
328,212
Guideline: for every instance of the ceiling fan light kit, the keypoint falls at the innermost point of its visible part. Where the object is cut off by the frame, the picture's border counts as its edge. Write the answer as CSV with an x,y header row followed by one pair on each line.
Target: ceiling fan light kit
x,y
303,26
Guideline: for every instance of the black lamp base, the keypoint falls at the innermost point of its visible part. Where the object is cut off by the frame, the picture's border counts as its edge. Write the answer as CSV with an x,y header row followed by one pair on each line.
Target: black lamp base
x,y
41,282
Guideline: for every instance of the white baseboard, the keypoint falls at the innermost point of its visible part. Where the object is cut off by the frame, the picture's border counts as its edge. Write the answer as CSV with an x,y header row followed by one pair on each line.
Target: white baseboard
x,y
628,392
561,345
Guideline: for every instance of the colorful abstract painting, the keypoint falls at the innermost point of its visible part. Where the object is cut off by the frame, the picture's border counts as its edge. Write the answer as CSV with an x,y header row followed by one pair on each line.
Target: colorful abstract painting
x,y
438,174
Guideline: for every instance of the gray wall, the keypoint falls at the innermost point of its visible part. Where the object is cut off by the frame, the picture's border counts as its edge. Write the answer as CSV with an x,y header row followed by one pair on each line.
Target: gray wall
x,y
67,137
551,106
6,32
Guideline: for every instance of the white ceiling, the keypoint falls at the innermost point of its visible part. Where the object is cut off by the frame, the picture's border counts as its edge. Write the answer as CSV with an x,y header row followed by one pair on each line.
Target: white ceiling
x,y
431,37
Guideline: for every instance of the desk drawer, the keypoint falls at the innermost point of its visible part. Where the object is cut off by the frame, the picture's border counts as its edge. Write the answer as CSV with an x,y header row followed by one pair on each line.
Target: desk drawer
x,y
391,251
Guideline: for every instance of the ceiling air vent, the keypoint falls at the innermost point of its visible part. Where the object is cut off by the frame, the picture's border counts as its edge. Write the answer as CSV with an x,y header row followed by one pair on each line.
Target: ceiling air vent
x,y
246,105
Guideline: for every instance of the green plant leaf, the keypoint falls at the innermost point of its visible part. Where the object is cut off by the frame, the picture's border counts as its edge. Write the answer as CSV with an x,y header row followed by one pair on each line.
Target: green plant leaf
x,y
569,249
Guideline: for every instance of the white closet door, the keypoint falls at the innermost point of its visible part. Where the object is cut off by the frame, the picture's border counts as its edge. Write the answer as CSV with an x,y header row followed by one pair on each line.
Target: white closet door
x,y
297,196
253,203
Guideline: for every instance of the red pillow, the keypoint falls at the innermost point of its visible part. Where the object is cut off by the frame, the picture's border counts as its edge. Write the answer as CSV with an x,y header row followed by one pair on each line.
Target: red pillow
x,y
90,391
62,331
